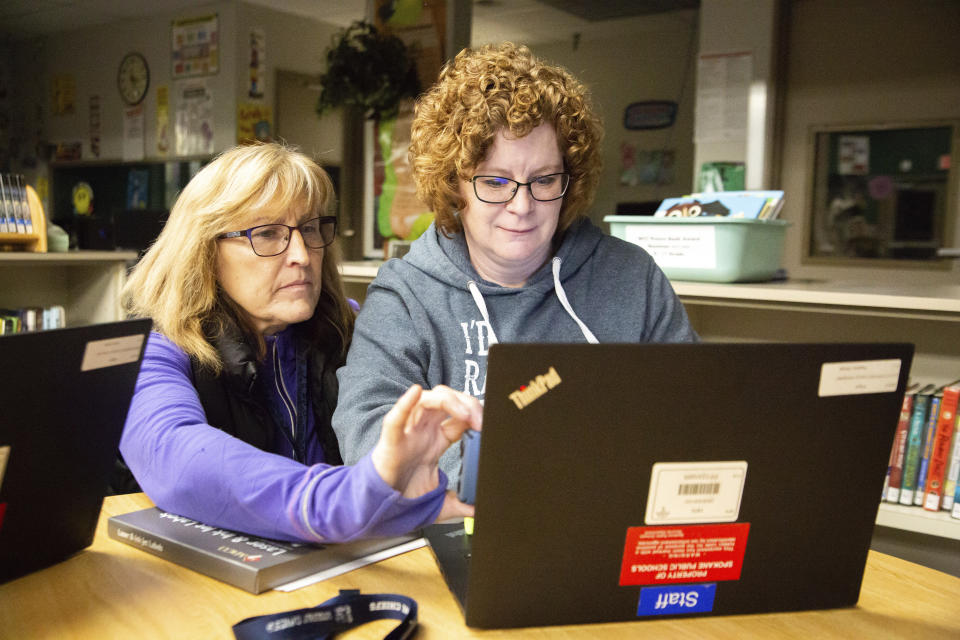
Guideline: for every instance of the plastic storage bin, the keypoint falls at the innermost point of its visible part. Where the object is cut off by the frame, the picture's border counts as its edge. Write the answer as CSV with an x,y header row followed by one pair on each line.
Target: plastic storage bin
x,y
709,248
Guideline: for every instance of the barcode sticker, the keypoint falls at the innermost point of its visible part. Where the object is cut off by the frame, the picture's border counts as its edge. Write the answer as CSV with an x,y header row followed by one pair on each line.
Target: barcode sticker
x,y
689,492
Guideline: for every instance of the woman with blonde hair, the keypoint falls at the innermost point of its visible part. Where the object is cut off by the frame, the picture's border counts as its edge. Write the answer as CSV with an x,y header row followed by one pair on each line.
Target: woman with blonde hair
x,y
230,420
505,150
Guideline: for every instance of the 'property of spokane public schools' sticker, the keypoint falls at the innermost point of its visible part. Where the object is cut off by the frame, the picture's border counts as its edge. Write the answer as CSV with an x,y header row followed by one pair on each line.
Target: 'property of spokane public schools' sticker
x,y
688,492
672,555
111,352
858,377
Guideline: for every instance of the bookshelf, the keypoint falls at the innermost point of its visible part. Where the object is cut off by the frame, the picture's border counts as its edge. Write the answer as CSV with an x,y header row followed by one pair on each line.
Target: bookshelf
x,y
898,516
86,283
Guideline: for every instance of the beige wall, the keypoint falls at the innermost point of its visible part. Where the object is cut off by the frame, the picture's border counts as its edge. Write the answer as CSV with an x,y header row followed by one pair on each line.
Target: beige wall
x,y
92,56
649,65
299,45
865,62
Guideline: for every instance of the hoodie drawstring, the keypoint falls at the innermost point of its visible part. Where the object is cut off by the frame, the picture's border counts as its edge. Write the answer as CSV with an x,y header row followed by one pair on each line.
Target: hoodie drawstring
x,y
561,295
478,300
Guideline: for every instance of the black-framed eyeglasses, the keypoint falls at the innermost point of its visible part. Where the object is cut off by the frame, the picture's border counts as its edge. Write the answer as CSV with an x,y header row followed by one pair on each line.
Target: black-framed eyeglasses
x,y
498,190
273,239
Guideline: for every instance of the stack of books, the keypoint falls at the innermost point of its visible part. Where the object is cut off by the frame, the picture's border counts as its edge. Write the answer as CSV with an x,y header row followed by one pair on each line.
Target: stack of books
x,y
924,467
754,205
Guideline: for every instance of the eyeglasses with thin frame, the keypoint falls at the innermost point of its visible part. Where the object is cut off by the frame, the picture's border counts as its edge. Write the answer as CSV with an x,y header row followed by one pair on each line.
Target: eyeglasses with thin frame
x,y
268,240
500,190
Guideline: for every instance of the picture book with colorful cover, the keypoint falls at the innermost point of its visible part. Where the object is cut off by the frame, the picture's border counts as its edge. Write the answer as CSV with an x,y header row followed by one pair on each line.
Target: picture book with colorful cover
x,y
249,562
933,411
899,450
911,464
733,204
940,449
953,470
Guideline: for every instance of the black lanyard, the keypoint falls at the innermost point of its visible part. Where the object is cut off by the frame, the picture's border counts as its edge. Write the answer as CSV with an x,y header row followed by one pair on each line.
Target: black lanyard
x,y
327,619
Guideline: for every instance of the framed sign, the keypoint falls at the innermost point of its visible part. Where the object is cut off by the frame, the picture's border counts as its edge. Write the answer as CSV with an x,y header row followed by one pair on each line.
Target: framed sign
x,y
652,114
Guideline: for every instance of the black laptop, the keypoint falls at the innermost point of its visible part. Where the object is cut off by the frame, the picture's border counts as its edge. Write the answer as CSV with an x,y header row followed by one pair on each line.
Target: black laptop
x,y
63,402
631,482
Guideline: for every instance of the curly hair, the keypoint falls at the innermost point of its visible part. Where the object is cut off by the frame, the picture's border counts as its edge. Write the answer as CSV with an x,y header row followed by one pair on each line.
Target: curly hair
x,y
494,88
175,282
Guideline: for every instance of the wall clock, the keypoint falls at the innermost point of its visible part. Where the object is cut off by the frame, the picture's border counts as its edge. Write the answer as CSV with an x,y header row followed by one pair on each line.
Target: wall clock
x,y
133,78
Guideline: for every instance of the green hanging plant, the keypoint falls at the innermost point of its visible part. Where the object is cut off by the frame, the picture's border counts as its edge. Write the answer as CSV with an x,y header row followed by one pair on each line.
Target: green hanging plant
x,y
368,69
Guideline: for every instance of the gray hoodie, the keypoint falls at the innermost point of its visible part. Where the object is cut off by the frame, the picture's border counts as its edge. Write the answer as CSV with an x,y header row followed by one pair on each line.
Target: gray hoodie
x,y
429,319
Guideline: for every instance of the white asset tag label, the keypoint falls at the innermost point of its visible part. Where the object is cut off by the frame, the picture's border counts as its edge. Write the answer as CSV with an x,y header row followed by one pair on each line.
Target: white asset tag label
x,y
856,377
111,352
688,492
675,245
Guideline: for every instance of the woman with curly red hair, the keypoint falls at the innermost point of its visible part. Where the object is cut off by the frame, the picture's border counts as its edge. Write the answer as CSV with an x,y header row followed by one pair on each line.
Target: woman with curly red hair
x,y
505,151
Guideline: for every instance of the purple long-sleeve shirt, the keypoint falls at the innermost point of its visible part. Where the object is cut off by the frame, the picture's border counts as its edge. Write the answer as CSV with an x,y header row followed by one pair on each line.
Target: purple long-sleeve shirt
x,y
193,469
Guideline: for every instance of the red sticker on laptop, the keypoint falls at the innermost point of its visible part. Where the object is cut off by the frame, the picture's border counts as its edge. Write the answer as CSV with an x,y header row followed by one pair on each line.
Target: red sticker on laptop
x,y
695,553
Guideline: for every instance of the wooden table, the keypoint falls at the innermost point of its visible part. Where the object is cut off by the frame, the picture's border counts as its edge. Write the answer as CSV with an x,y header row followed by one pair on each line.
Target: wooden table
x,y
112,590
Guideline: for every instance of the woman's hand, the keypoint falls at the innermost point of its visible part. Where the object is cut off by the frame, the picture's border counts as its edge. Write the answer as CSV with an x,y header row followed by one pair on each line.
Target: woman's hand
x,y
416,432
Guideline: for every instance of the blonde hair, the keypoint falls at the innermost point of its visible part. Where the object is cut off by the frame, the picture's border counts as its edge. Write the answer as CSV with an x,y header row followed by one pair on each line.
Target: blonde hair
x,y
175,282
494,88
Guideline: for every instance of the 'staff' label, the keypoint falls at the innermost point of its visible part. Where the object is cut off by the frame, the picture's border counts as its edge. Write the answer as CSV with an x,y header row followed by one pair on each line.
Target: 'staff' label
x,y
673,555
674,600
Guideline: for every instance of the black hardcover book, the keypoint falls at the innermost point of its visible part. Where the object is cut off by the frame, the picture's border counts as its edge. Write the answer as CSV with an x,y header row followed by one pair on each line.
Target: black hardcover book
x,y
245,561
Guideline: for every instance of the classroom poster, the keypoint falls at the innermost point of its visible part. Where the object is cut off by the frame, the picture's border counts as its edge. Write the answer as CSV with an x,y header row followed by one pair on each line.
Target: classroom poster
x,y
133,134
194,123
195,47
723,92
254,122
163,120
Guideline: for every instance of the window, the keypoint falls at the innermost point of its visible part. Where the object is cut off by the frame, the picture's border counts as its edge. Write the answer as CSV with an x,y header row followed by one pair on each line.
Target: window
x,y
882,192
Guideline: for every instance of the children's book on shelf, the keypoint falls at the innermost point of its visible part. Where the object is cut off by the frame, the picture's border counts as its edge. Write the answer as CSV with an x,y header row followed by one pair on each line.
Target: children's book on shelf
x,y
926,447
899,450
911,464
733,204
8,223
953,470
940,449
955,512
25,204
249,562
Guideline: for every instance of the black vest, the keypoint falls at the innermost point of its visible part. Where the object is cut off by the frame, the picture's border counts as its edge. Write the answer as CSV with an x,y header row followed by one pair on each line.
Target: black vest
x,y
232,402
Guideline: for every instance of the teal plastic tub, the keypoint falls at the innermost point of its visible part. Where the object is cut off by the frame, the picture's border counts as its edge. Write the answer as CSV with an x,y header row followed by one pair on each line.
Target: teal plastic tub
x,y
709,248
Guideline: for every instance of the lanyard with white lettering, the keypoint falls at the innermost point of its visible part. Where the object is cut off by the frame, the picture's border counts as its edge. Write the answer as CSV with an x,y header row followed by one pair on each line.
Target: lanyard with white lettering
x,y
327,619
